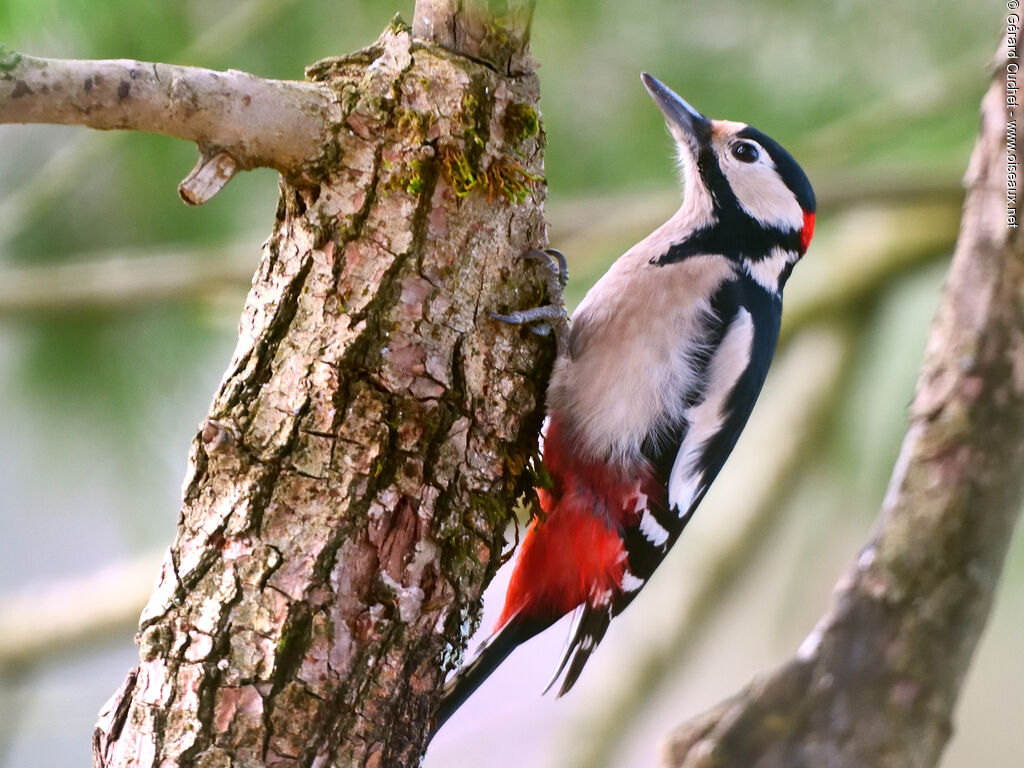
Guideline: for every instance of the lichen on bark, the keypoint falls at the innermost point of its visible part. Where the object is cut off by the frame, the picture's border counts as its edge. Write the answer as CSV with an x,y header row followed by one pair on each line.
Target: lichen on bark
x,y
347,496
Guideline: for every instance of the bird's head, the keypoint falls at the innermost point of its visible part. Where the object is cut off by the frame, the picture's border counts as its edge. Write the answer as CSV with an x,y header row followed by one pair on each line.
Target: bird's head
x,y
737,179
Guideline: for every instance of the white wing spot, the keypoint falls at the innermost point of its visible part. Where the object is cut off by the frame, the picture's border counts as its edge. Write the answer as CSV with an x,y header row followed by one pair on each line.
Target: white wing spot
x,y
631,583
652,530
543,436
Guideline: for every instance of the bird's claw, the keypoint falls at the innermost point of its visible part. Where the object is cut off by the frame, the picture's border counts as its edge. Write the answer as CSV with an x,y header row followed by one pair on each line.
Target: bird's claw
x,y
538,319
554,260
550,317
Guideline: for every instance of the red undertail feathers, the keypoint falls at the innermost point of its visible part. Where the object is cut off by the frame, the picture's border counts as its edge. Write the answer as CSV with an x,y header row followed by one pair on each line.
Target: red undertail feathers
x,y
573,552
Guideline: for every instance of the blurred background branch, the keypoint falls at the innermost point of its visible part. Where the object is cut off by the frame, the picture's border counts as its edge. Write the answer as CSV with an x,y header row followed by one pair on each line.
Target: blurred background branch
x,y
870,244
122,281
74,612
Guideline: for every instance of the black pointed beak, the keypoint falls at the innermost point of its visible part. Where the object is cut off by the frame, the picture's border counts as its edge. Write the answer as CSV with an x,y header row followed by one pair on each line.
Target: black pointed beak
x,y
687,124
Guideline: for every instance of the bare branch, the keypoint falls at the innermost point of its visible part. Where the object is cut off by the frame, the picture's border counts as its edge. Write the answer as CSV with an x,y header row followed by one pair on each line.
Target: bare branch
x,y
875,683
280,124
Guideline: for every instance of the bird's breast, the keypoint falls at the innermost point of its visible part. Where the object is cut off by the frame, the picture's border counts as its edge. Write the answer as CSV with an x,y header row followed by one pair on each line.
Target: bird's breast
x,y
635,359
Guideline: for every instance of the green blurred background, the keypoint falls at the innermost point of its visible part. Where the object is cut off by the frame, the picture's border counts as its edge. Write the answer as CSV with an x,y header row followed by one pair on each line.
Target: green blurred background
x,y
100,393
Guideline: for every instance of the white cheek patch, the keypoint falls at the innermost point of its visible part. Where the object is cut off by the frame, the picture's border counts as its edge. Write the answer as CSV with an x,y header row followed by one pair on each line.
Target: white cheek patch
x,y
686,480
762,193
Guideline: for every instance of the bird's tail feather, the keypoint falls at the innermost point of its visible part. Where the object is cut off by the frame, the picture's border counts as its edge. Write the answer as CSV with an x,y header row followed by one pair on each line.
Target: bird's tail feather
x,y
495,650
586,636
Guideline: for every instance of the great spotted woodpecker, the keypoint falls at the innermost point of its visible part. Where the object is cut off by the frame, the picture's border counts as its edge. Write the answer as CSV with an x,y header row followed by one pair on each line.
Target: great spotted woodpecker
x,y
653,385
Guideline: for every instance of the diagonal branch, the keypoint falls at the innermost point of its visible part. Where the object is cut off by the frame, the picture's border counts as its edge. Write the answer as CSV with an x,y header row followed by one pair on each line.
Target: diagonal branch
x,y
875,683
854,268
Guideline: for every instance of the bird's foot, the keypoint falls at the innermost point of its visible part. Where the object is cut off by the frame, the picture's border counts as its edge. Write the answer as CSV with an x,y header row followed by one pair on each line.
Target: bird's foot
x,y
550,317
538,319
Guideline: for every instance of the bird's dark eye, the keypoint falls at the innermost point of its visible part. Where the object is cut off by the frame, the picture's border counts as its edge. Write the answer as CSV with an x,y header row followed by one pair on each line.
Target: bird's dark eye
x,y
745,152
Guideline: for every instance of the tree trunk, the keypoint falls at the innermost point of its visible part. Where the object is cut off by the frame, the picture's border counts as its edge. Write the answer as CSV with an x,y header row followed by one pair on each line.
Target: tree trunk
x,y
346,499
876,682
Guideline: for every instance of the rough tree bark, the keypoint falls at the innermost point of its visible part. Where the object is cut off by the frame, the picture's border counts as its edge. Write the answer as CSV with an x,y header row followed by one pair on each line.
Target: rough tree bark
x,y
346,498
876,681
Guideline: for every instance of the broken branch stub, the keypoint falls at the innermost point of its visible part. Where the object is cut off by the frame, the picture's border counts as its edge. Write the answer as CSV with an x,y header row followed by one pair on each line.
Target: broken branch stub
x,y
212,172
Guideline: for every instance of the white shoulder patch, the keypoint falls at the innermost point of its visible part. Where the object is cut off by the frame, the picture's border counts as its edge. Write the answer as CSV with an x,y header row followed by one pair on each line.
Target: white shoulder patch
x,y
705,418
768,271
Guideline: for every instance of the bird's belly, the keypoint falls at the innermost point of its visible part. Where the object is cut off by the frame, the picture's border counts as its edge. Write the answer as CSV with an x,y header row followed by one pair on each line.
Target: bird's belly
x,y
636,386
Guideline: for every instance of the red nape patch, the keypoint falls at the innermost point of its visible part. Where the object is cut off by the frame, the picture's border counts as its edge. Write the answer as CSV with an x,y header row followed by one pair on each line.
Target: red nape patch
x,y
807,232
